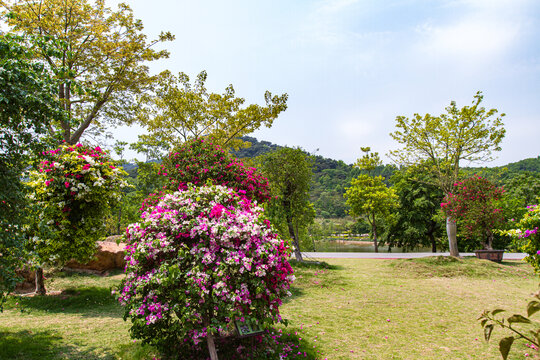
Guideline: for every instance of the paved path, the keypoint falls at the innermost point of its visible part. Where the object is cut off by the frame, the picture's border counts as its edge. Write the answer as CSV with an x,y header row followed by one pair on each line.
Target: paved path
x,y
387,255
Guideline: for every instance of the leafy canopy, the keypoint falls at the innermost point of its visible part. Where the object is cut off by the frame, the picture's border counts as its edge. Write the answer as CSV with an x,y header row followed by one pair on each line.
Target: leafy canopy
x,y
181,111
290,173
99,62
471,133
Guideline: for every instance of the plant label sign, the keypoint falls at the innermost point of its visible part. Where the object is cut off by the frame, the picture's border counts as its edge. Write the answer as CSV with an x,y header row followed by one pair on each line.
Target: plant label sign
x,y
247,328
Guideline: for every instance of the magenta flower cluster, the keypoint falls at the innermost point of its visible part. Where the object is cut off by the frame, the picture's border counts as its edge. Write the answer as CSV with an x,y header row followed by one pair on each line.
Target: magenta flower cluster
x,y
198,260
199,161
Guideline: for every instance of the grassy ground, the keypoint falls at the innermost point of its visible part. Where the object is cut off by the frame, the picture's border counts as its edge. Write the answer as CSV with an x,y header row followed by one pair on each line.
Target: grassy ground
x,y
354,309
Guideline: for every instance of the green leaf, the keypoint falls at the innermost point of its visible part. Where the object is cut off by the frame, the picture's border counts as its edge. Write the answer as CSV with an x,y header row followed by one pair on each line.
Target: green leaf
x,y
483,322
533,307
496,311
518,319
487,331
505,345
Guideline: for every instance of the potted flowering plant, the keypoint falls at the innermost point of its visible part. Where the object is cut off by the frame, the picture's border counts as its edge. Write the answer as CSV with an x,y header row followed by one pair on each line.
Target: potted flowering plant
x,y
474,203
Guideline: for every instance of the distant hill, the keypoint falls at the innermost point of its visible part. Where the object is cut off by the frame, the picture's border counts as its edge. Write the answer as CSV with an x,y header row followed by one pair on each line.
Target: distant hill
x,y
331,177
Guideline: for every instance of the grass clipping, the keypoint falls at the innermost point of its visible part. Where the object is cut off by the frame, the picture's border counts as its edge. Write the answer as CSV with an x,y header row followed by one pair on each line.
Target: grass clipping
x,y
452,267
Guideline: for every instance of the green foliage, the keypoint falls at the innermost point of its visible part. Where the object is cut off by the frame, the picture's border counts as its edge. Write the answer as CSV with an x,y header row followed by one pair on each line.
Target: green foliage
x,y
526,329
72,192
99,62
470,133
181,111
416,223
369,197
290,174
27,105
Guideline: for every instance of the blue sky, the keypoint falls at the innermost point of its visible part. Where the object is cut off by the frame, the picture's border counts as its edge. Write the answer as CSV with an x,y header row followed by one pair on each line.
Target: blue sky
x,y
351,66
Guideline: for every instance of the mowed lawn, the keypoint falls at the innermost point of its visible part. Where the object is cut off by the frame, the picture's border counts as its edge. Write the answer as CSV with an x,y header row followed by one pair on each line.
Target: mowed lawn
x,y
353,309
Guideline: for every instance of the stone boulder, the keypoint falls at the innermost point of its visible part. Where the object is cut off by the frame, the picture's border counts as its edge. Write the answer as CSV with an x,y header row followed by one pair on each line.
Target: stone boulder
x,y
110,256
28,283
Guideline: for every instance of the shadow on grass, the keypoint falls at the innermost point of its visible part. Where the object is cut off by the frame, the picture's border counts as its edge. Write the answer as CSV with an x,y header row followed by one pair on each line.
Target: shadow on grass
x,y
43,345
311,264
445,266
87,301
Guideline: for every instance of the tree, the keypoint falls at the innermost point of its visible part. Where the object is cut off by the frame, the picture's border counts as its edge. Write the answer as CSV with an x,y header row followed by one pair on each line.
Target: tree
x,y
440,143
290,173
368,196
99,63
419,204
198,261
27,105
180,112
473,201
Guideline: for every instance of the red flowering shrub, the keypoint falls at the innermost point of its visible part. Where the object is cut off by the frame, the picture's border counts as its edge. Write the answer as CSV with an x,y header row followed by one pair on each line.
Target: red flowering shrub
x,y
473,202
199,161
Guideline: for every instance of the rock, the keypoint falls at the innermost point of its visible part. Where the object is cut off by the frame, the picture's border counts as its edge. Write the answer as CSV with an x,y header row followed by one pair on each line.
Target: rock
x,y
109,256
29,280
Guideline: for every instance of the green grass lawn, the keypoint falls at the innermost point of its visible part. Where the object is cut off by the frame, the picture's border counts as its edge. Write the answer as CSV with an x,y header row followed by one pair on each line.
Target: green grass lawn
x,y
354,309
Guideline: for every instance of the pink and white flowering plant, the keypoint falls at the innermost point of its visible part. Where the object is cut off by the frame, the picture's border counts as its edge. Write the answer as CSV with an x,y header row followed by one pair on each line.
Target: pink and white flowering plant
x,y
198,260
526,236
73,187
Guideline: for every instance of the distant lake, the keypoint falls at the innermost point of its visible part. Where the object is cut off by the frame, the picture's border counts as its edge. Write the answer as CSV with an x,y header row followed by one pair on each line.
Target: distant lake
x,y
333,245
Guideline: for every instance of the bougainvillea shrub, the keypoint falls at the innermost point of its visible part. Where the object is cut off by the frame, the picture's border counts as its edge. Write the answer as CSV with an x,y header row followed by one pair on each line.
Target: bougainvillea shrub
x,y
199,260
474,202
199,161
526,236
73,190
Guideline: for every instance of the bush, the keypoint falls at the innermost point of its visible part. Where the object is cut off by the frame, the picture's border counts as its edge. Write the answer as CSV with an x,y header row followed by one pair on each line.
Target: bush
x,y
199,161
199,260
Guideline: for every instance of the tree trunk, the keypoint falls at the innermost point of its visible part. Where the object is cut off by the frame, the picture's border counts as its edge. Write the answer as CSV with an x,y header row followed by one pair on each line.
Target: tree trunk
x,y
40,282
431,236
296,243
374,231
211,346
488,244
451,231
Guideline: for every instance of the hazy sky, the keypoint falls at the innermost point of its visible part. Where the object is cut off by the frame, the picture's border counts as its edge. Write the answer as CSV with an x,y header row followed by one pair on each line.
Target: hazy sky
x,y
351,66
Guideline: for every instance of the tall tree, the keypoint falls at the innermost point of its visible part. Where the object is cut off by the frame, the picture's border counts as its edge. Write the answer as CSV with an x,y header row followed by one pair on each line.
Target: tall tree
x,y
180,111
440,143
27,105
419,204
368,196
290,173
100,63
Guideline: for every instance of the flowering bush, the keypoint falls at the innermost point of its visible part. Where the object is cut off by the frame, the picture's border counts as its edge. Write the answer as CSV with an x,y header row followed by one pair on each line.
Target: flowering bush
x,y
73,189
200,259
473,201
526,237
198,161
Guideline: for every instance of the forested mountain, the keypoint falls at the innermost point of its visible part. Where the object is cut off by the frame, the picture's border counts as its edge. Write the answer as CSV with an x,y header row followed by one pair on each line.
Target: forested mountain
x,y
331,177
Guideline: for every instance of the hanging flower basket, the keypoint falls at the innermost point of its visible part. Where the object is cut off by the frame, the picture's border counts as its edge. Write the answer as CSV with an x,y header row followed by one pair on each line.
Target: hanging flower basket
x,y
493,255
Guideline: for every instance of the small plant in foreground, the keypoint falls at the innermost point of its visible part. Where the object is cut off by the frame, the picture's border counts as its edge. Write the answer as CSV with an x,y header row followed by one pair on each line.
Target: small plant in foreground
x,y
529,330
199,260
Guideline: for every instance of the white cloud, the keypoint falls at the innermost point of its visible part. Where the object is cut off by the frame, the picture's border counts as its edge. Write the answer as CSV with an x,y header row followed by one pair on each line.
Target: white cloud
x,y
486,31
